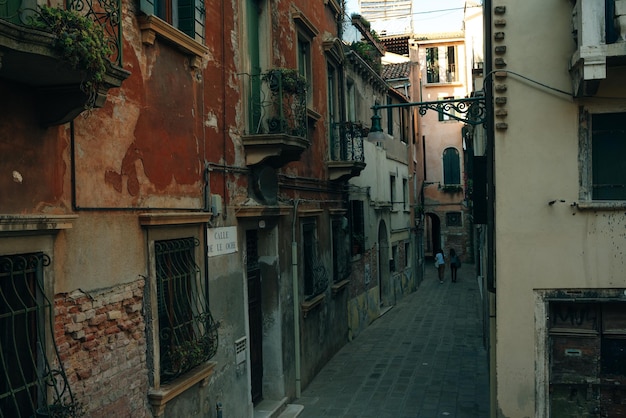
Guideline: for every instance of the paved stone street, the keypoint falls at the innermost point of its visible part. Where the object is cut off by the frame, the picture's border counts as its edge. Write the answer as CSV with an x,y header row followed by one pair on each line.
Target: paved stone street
x,y
424,358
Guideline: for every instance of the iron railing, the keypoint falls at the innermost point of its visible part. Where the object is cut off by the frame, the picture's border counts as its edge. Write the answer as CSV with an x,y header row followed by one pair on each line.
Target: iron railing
x,y
278,103
347,142
32,379
187,332
106,13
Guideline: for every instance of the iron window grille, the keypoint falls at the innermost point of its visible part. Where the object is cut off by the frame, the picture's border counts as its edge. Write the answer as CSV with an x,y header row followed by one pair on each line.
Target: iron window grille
x,y
315,275
187,332
32,378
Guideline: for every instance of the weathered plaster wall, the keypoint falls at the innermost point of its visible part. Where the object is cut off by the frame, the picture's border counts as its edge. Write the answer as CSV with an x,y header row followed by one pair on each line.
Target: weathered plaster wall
x,y
543,246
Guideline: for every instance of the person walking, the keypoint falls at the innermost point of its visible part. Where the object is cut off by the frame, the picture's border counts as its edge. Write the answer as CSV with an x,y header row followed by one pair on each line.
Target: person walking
x,y
440,263
454,264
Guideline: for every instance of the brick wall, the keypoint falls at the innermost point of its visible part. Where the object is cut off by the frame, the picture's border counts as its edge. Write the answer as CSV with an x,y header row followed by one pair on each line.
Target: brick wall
x,y
101,340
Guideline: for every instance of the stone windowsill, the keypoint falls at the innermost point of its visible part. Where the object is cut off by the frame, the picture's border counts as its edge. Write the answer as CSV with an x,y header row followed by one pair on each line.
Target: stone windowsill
x,y
310,304
337,287
24,223
160,397
173,218
151,27
605,205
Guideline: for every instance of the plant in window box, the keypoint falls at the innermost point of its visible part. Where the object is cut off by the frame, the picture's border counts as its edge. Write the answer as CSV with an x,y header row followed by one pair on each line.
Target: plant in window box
x,y
81,42
451,188
61,409
290,80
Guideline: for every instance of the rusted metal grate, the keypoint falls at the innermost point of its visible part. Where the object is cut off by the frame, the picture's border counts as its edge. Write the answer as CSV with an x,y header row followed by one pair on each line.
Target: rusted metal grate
x,y
187,332
32,379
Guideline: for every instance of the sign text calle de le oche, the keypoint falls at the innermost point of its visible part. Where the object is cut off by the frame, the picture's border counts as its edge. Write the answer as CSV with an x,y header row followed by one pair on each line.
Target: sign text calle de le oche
x,y
221,240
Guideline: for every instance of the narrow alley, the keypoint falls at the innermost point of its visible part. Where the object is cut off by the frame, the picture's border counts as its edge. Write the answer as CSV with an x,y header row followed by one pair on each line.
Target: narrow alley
x,y
424,358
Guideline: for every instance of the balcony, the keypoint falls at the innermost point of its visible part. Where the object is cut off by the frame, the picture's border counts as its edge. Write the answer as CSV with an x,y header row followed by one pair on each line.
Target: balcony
x,y
278,118
31,55
347,159
599,31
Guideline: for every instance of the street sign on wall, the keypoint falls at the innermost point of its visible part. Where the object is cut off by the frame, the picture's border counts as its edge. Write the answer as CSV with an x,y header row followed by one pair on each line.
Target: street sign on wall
x,y
221,241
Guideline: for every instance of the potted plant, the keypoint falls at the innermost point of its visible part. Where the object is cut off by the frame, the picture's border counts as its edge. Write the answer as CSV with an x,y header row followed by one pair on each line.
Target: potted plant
x,y
291,81
81,42
62,409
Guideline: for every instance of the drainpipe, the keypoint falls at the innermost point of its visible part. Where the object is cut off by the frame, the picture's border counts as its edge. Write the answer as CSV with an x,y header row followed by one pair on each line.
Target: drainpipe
x,y
296,298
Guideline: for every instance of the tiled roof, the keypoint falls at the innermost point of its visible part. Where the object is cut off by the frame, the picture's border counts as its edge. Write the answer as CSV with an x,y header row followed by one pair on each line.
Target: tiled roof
x,y
399,70
396,44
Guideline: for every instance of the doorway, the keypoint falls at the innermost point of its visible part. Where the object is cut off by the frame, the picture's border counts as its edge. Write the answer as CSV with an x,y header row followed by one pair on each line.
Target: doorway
x,y
432,234
383,265
255,315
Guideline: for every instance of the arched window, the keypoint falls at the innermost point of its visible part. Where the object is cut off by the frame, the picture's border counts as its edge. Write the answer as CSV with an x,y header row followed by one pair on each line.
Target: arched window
x,y
451,166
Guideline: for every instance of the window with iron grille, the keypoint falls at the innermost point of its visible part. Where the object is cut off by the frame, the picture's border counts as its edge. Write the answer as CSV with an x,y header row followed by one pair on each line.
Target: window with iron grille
x,y
187,332
31,380
454,219
315,277
358,226
341,251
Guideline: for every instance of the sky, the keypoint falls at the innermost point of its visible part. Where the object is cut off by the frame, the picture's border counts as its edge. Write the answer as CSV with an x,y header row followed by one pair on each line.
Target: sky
x,y
428,16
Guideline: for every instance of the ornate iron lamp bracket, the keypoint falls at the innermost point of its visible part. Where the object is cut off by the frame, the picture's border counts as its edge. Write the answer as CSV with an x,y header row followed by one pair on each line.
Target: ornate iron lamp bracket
x,y
472,110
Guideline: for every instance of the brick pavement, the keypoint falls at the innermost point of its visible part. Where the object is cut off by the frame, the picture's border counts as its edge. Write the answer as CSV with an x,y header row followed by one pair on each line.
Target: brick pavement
x,y
422,359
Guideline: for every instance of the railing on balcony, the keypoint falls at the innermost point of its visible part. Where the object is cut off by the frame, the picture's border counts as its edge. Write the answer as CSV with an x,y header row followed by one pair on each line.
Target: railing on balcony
x,y
347,142
278,103
106,13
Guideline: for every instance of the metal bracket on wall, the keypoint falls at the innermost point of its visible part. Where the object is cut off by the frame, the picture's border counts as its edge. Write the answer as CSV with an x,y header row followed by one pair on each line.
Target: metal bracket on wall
x,y
471,110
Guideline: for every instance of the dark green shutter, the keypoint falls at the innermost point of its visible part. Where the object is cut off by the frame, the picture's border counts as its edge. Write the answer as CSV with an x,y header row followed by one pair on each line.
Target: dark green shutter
x,y
451,167
147,6
254,102
186,17
608,164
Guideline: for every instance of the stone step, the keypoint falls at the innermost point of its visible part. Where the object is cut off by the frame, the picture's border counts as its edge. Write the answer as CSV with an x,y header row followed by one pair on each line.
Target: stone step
x,y
291,411
269,408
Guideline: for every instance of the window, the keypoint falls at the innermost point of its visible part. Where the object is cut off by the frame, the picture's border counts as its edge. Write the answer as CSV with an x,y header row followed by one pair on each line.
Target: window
x,y
454,219
405,193
451,167
608,148
185,15
315,277
407,254
441,64
187,335
392,190
389,117
451,71
394,257
351,98
304,65
358,226
432,65
334,117
24,365
445,113
341,250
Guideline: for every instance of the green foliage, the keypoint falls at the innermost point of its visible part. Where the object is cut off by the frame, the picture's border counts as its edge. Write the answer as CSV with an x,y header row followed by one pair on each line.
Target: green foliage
x,y
81,42
369,54
289,79
451,188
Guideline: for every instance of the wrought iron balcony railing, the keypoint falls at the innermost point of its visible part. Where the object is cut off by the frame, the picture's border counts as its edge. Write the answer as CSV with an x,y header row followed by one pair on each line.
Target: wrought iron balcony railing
x,y
278,103
105,13
347,142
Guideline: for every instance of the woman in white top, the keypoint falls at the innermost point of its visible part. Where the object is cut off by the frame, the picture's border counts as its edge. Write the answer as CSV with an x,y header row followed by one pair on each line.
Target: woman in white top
x,y
440,263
